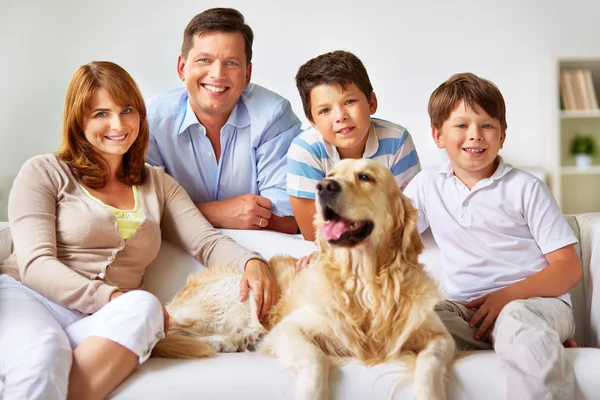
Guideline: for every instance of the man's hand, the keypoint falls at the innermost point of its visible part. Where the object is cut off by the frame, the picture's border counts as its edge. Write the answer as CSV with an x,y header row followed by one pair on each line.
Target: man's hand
x,y
248,211
490,306
258,277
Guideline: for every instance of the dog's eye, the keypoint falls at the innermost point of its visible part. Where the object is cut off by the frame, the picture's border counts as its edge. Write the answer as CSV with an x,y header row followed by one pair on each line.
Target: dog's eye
x,y
365,177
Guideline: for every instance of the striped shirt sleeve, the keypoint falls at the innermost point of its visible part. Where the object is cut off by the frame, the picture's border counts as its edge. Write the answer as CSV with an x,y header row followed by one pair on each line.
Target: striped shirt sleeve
x,y
305,167
405,163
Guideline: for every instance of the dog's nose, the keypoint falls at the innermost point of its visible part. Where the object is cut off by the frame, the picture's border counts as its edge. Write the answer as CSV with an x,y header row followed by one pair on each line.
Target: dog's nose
x,y
328,187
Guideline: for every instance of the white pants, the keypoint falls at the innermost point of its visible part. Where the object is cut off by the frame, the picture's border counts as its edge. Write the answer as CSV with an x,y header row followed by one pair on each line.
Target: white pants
x,y
37,337
528,337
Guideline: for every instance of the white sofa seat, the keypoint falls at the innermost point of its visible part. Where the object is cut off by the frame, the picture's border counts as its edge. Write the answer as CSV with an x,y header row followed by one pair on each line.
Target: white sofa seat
x,y
253,376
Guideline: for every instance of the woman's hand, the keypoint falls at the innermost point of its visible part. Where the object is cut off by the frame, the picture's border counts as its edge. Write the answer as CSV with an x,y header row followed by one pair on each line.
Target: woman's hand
x,y
257,276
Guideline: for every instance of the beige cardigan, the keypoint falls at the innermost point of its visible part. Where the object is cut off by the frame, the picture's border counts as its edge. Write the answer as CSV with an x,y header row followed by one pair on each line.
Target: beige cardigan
x,y
68,247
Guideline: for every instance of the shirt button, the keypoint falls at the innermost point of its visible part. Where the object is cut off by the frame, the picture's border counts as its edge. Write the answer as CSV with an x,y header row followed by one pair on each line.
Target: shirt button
x,y
209,154
101,275
122,243
110,258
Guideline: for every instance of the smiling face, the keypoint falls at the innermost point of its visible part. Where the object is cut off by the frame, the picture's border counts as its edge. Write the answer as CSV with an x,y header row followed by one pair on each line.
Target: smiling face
x,y
215,72
343,117
109,128
472,139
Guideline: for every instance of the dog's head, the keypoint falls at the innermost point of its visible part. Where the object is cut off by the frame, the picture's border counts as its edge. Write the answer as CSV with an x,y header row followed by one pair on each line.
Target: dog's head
x,y
359,202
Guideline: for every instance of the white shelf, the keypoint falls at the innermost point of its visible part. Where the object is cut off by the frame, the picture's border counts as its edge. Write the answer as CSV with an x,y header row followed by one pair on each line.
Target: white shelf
x,y
593,170
567,114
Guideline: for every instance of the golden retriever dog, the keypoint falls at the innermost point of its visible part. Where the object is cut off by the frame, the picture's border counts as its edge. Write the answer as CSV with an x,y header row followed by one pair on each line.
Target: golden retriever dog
x,y
364,296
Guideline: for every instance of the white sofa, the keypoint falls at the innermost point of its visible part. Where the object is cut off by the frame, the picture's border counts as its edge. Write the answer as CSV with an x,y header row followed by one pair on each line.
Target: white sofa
x,y
252,376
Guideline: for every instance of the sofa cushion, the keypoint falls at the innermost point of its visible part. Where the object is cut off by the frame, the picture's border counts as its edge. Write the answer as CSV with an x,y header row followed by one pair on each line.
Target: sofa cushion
x,y
578,292
253,376
589,229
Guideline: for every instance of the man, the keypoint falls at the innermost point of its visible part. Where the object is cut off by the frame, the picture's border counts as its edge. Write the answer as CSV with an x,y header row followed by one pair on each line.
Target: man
x,y
222,138
225,140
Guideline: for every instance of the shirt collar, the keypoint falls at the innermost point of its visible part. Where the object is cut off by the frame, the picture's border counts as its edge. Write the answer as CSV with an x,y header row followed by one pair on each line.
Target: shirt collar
x,y
239,117
371,146
189,118
501,170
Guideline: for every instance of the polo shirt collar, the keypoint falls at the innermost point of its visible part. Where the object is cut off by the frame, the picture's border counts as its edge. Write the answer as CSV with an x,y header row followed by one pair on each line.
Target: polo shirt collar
x,y
371,146
501,170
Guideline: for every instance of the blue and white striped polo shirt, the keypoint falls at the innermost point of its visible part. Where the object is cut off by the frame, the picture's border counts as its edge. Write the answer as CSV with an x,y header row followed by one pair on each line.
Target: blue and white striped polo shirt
x,y
310,158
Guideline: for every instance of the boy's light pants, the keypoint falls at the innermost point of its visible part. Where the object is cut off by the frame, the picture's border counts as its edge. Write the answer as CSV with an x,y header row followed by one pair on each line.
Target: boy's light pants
x,y
37,337
528,338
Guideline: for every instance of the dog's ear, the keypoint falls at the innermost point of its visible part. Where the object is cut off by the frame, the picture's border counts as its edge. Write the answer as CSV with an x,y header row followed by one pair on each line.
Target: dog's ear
x,y
317,222
411,244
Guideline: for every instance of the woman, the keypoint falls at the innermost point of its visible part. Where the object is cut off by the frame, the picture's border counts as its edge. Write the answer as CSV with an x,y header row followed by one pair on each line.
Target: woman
x,y
86,222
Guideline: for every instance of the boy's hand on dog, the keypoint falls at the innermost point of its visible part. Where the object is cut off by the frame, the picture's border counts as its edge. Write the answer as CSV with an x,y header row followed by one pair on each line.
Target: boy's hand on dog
x,y
303,262
490,306
257,276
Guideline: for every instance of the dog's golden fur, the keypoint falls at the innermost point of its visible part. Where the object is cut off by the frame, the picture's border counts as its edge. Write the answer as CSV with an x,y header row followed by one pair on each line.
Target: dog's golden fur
x,y
366,298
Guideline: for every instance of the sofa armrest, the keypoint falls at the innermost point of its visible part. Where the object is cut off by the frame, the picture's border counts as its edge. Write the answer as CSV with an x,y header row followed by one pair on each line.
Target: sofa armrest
x,y
589,239
6,244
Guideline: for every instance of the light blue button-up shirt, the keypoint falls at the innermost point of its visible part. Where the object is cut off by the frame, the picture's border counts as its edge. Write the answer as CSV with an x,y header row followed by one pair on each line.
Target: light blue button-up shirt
x,y
254,143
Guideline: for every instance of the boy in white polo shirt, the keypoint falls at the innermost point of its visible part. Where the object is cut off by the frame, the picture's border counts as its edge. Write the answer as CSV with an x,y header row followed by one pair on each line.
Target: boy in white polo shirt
x,y
507,251
338,101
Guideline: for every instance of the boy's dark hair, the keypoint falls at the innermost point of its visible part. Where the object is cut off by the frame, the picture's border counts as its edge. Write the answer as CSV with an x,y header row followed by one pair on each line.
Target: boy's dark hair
x,y
340,68
221,20
471,89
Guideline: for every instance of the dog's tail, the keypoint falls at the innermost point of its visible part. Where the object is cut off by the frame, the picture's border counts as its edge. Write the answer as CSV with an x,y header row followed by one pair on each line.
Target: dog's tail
x,y
180,343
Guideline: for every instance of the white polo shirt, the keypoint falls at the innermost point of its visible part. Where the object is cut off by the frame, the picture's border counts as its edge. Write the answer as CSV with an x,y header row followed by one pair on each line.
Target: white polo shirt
x,y
493,235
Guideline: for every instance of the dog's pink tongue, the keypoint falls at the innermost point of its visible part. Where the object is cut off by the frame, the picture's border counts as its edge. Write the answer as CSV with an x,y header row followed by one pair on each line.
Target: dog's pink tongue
x,y
333,230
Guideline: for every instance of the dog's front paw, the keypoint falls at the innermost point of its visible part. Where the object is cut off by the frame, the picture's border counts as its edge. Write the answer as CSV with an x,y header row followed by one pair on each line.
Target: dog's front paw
x,y
433,392
232,345
312,384
311,392
252,339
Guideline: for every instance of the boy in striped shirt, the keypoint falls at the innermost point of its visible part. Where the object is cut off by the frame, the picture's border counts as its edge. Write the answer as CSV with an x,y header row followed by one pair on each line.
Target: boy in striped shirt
x,y
338,101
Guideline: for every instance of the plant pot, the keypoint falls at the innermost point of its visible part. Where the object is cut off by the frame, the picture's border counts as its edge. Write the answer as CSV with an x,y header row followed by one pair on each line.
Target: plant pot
x,y
583,161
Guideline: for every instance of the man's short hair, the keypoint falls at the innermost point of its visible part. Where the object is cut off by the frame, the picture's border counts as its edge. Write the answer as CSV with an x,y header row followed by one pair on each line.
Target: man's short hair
x,y
337,68
471,89
220,20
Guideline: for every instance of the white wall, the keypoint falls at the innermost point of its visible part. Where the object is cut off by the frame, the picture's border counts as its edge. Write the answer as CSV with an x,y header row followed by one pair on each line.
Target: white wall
x,y
408,47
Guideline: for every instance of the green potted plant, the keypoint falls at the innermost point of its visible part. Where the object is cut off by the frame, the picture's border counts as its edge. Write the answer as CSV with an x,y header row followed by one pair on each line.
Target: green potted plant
x,y
583,148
